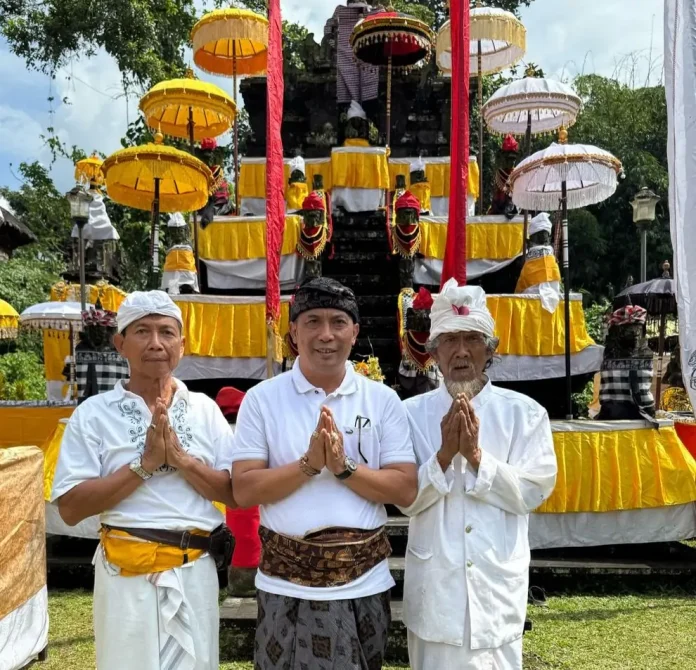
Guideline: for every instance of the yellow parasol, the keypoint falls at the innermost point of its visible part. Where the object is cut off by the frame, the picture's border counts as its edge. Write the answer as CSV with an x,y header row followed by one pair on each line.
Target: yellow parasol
x,y
188,108
497,41
9,321
158,178
89,171
231,43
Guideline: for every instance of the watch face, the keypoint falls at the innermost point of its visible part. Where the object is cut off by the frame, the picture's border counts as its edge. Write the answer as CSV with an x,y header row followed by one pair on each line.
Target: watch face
x,y
351,464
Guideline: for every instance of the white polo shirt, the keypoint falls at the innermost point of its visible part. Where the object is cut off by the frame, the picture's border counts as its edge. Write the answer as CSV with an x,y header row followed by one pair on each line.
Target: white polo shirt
x,y
275,424
109,430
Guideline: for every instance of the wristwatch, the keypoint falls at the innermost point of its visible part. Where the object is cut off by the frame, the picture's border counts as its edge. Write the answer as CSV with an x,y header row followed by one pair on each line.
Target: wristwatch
x,y
137,467
351,467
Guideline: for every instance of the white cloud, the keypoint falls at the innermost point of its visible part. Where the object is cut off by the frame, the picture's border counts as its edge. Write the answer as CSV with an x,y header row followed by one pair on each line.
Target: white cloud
x,y
565,37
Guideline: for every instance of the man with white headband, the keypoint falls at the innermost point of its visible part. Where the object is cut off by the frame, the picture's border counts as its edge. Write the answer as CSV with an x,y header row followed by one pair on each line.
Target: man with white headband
x,y
150,457
486,460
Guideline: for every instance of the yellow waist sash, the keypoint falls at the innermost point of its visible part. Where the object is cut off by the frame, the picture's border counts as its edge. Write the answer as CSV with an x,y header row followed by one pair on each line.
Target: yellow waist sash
x,y
296,194
180,260
138,557
538,271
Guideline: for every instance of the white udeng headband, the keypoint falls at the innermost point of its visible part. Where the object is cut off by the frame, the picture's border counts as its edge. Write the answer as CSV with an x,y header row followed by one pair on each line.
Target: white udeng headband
x,y
140,304
460,308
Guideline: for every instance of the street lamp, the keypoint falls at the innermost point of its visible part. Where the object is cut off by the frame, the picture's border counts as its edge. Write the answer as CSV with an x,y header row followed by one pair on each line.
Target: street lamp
x,y
79,212
644,205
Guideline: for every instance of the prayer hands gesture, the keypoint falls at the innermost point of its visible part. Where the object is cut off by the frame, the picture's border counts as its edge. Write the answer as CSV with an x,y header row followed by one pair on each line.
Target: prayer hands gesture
x,y
316,454
155,452
333,444
460,433
176,456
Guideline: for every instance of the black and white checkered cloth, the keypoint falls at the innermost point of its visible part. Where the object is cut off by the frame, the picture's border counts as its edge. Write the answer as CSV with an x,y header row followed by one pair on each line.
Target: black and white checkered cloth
x,y
354,81
615,384
108,366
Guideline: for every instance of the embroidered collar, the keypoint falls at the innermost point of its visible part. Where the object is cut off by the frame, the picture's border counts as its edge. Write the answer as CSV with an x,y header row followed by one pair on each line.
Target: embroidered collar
x,y
119,392
302,385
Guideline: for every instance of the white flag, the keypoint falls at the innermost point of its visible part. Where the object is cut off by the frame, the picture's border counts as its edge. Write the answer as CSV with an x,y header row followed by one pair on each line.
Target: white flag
x,y
680,76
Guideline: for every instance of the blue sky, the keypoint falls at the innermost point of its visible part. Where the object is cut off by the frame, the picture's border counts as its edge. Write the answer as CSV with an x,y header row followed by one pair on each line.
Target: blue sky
x,y
565,37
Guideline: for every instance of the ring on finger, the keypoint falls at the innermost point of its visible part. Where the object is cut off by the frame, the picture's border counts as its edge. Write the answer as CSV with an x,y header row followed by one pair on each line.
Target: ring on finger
x,y
315,435
153,426
334,436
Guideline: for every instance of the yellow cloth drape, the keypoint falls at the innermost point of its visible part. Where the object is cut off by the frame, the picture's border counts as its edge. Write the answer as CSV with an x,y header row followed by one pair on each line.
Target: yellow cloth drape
x,y
525,328
356,142
241,239
33,426
228,331
423,192
359,170
438,176
295,195
538,271
135,557
180,260
51,451
252,177
111,297
495,241
608,471
56,345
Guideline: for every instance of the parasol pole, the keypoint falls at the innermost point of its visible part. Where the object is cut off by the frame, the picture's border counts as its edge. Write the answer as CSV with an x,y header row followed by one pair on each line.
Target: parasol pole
x,y
566,287
389,94
191,127
155,234
73,371
236,130
527,152
480,133
660,354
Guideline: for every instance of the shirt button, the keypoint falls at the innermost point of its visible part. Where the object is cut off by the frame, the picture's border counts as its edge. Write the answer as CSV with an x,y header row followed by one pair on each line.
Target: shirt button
x,y
316,391
468,529
469,564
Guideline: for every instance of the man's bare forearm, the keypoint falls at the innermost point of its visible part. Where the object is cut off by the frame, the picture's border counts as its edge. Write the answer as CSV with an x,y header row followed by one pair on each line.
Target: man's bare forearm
x,y
266,486
97,495
213,485
387,486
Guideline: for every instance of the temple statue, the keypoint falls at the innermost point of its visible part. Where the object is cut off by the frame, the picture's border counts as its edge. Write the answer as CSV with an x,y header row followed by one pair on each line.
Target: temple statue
x,y
420,186
675,398
179,274
357,129
405,235
297,189
505,162
418,372
219,201
314,233
540,274
626,376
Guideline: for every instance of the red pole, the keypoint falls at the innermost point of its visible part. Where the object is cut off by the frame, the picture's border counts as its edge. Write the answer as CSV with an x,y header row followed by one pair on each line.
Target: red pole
x,y
455,252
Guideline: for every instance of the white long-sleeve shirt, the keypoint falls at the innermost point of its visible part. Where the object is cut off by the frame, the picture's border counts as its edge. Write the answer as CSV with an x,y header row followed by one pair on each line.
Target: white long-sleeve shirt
x,y
468,551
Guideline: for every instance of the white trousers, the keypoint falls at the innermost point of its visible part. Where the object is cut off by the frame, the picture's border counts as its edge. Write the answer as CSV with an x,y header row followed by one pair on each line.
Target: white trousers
x,y
437,656
127,622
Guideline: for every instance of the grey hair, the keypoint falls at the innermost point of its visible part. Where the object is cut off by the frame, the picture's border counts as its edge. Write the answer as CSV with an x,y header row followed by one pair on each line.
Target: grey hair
x,y
491,348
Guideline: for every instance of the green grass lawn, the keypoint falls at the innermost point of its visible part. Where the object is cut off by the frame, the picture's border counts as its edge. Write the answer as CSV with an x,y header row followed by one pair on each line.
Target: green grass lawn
x,y
575,632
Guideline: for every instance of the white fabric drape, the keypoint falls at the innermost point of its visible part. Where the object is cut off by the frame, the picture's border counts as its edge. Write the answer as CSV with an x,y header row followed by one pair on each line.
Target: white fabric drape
x,y
680,76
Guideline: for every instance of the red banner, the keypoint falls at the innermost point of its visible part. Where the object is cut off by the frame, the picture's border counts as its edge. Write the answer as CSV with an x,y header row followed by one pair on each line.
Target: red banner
x,y
455,251
275,201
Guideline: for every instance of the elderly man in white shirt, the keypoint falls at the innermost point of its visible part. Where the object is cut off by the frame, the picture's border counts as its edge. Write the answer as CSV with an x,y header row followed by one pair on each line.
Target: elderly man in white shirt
x,y
149,457
486,461
321,449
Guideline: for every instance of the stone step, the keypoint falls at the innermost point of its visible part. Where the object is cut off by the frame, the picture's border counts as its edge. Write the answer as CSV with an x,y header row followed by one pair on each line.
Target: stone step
x,y
376,257
380,346
345,235
368,284
360,221
378,324
377,305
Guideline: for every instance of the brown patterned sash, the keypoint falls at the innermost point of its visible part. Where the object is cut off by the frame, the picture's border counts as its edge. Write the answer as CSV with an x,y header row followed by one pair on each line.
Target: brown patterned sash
x,y
329,557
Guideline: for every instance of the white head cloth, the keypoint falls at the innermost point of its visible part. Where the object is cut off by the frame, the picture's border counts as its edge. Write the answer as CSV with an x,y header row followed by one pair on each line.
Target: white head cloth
x,y
541,222
298,163
140,304
460,308
99,227
356,111
418,165
176,220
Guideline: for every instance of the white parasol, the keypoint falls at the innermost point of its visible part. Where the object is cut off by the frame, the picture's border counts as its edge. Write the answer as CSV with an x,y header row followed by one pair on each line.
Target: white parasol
x,y
572,176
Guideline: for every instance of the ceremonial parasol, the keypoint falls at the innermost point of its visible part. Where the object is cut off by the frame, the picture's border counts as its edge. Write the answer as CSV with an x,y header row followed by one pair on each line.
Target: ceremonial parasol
x,y
231,42
191,109
56,316
574,176
497,41
393,40
531,106
158,178
9,321
659,298
89,171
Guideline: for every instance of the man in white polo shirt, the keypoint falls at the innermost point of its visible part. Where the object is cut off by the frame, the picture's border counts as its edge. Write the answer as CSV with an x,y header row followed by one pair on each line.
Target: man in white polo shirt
x,y
321,449
150,457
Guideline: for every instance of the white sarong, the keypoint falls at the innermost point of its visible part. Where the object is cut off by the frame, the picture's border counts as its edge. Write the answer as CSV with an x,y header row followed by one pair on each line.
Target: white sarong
x,y
436,656
167,621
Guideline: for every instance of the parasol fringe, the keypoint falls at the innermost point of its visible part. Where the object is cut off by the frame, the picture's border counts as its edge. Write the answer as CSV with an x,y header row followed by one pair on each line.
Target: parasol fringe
x,y
498,29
